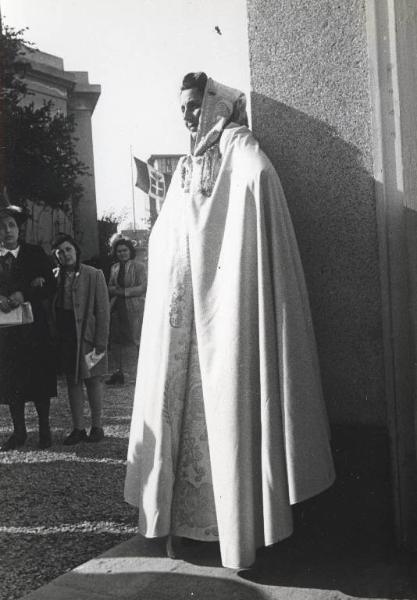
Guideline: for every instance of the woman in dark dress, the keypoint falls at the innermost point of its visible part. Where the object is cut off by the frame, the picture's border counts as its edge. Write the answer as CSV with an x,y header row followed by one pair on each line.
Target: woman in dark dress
x,y
27,369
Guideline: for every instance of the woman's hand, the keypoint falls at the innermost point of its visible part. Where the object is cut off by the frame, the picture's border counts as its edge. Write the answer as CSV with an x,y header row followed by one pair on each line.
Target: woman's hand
x,y
38,282
116,291
15,299
4,304
112,291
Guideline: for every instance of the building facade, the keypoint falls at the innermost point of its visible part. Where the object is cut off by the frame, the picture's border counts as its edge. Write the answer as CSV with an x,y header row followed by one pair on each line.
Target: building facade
x,y
71,94
166,164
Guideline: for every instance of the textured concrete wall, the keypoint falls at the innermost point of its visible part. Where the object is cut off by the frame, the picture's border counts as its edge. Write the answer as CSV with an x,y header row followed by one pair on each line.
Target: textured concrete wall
x,y
47,81
85,210
311,113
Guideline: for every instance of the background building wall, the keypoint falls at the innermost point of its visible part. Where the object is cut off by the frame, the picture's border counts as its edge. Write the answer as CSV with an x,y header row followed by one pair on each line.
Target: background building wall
x,y
311,113
81,104
70,93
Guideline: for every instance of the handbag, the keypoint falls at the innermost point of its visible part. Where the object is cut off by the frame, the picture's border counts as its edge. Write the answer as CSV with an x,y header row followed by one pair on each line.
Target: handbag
x,y
21,315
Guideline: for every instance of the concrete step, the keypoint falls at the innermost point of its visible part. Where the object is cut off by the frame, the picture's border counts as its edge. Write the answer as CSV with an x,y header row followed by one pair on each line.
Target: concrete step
x,y
139,570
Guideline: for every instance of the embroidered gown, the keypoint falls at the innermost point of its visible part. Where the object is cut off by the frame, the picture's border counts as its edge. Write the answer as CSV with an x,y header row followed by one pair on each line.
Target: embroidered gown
x,y
229,426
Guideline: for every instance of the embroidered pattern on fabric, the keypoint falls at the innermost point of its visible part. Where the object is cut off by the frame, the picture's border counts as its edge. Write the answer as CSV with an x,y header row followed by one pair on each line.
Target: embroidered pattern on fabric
x,y
194,509
210,170
177,307
194,513
173,403
186,174
203,168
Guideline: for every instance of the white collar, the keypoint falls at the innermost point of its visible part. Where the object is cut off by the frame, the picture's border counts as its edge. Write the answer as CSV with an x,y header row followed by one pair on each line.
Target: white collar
x,y
15,252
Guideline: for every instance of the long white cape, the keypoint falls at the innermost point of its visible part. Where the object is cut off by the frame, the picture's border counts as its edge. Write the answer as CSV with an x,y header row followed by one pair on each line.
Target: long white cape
x,y
266,422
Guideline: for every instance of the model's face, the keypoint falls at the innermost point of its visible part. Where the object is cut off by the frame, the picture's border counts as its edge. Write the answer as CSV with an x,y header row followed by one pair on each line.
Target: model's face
x,y
67,254
191,101
9,232
122,253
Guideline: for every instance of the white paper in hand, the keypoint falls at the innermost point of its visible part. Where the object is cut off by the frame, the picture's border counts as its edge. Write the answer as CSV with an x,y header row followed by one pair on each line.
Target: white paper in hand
x,y
92,358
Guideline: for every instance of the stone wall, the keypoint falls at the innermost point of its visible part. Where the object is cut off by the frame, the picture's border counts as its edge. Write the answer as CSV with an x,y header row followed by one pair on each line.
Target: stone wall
x,y
45,223
71,94
311,113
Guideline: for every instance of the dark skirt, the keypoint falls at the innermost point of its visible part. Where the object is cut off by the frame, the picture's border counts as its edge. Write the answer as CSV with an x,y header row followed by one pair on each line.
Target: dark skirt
x,y
27,363
125,329
67,341
120,330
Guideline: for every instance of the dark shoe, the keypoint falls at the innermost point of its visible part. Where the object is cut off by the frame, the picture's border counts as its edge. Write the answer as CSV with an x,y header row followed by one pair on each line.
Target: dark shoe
x,y
14,441
96,435
117,377
75,437
45,441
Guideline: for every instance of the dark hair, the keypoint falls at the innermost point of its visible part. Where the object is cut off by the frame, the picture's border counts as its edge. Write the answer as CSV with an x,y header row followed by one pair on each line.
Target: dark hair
x,y
124,241
18,213
194,80
65,237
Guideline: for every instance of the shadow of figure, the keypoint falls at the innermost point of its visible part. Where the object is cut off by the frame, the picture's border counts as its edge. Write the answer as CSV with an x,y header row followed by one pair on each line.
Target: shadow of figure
x,y
151,581
331,197
138,469
345,537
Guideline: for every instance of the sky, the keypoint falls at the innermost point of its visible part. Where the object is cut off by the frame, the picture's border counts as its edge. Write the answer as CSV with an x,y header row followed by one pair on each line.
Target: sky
x,y
138,51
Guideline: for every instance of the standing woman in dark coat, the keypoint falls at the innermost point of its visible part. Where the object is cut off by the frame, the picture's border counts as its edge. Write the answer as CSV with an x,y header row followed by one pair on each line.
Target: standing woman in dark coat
x,y
27,369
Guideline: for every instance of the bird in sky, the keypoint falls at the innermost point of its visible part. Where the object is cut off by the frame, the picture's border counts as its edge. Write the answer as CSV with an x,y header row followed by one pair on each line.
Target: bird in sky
x,y
217,30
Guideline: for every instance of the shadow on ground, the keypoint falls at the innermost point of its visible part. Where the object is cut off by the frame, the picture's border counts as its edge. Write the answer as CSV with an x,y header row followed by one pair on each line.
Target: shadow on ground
x,y
344,538
150,585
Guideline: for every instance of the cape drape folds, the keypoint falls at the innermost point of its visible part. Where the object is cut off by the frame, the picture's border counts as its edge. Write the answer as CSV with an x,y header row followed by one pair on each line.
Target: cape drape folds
x,y
266,422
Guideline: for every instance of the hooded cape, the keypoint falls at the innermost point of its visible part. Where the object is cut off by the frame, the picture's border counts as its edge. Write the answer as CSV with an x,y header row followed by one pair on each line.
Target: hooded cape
x,y
224,236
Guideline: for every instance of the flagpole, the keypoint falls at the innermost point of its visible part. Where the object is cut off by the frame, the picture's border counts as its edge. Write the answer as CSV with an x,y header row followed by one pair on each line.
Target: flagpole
x,y
133,189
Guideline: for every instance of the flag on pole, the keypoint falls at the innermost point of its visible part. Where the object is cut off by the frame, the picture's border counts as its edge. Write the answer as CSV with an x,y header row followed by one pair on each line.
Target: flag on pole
x,y
151,181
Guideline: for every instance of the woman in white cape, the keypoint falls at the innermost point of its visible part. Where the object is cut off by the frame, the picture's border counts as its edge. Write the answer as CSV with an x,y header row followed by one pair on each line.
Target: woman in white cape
x,y
229,427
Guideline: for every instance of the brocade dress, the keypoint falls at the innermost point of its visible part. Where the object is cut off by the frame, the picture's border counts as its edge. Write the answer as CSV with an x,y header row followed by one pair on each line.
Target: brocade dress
x,y
229,426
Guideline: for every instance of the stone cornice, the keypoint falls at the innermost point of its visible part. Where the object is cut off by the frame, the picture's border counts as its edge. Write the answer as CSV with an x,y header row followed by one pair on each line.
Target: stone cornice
x,y
84,99
50,75
81,95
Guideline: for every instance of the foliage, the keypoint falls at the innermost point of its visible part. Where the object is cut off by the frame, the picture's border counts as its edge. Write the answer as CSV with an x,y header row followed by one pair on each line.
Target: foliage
x,y
147,223
107,226
110,216
39,160
13,60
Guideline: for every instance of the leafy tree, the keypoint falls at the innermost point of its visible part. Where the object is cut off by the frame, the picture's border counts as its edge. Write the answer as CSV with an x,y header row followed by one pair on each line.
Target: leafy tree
x,y
107,226
38,159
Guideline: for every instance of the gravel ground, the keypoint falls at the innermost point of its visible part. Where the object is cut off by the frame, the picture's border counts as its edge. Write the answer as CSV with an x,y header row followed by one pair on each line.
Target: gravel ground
x,y
62,506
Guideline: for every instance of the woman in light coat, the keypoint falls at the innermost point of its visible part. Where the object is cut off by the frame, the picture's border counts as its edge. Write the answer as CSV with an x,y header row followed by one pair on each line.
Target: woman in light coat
x,y
127,288
82,317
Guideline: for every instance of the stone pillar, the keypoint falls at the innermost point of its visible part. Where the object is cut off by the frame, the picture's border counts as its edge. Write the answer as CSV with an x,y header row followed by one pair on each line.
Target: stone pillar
x,y
392,40
81,104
